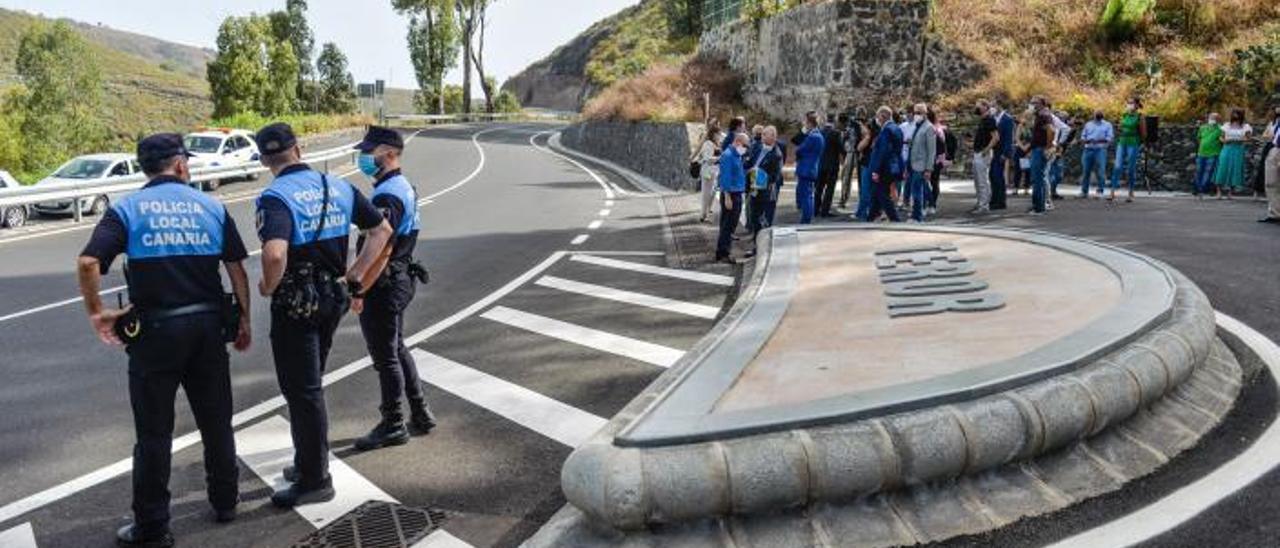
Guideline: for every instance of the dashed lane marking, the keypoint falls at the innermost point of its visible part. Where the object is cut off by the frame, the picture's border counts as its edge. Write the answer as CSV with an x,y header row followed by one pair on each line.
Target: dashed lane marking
x,y
1190,501
605,212
629,297
546,416
18,537
603,341
579,239
594,224
703,277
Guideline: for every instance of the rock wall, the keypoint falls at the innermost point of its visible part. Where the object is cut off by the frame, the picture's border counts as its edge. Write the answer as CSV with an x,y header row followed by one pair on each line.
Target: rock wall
x,y
659,151
838,54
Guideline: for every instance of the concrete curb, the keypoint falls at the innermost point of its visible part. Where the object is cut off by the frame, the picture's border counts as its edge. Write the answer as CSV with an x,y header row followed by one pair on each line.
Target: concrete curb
x,y
634,488
636,180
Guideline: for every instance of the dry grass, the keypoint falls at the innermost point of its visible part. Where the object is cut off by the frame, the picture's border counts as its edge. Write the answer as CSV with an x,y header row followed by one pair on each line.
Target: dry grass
x,y
669,92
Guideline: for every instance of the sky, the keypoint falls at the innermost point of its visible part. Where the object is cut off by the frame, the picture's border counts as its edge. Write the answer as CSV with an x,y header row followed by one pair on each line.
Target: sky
x,y
368,31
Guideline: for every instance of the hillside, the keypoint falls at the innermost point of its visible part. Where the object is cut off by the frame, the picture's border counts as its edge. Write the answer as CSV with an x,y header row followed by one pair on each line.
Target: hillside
x,y
151,85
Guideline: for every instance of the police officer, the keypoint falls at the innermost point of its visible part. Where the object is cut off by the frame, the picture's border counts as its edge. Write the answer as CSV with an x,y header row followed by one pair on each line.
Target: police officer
x,y
304,220
176,328
391,287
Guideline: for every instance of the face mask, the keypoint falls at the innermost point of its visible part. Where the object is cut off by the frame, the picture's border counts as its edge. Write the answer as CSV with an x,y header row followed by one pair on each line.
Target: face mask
x,y
1130,108
1097,117
368,165
918,118
741,149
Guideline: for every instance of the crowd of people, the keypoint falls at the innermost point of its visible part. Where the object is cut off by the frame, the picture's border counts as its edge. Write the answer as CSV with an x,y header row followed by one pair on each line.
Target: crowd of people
x,y
898,157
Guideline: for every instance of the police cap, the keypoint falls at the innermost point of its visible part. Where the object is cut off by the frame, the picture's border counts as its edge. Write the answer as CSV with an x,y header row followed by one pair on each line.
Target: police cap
x,y
275,138
380,136
161,146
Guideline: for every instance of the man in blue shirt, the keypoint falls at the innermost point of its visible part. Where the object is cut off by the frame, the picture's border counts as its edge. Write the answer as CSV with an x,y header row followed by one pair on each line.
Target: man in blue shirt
x,y
733,182
1097,137
886,166
391,288
304,221
808,158
176,328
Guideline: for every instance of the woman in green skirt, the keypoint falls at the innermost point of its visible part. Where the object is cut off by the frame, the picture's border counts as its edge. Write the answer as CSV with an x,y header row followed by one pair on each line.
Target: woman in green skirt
x,y
1235,135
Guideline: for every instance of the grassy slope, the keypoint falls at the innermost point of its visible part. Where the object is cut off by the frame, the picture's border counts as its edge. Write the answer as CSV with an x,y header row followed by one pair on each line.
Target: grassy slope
x,y
140,96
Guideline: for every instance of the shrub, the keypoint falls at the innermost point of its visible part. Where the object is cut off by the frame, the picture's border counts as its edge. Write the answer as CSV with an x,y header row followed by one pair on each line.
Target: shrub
x,y
1121,19
303,124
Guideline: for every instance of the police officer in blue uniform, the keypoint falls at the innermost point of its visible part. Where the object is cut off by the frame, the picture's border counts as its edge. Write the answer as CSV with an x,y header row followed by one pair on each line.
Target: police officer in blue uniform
x,y
304,221
176,328
391,287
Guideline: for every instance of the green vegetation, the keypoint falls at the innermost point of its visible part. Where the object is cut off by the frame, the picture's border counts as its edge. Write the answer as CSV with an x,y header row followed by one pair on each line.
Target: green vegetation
x,y
642,39
303,124
1121,18
433,48
337,93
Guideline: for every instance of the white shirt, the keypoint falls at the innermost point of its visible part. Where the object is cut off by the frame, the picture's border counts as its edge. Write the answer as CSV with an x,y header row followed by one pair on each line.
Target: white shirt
x,y
1236,133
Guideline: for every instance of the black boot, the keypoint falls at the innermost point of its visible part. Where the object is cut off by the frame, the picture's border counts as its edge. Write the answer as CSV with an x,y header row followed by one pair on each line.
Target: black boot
x,y
421,420
130,535
390,431
298,495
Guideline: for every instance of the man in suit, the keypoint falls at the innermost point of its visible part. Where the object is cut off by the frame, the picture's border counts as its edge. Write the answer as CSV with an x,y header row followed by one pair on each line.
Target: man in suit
x,y
829,168
886,166
924,153
1006,125
808,157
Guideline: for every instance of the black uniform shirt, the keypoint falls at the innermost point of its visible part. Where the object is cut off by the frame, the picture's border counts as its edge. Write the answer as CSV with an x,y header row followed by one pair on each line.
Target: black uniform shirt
x,y
276,223
168,282
394,211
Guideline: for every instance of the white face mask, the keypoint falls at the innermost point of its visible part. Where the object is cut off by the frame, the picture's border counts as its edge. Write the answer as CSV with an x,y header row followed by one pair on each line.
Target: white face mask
x,y
741,149
994,111
918,118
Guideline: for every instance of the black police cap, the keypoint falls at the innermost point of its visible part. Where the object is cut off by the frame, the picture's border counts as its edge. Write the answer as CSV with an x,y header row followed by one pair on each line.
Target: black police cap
x,y
380,136
161,146
275,138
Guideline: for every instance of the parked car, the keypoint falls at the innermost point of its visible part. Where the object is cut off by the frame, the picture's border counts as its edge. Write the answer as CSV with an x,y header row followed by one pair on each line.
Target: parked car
x,y
16,215
93,169
219,148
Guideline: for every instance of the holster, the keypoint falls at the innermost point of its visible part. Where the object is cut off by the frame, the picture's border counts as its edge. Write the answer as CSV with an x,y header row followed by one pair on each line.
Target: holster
x,y
231,314
307,293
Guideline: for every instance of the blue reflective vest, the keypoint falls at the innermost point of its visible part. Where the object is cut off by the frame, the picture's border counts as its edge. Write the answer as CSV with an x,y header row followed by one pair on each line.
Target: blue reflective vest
x,y
399,188
171,220
303,193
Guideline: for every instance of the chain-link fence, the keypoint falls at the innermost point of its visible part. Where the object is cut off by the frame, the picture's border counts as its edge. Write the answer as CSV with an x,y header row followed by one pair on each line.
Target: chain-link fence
x,y
719,12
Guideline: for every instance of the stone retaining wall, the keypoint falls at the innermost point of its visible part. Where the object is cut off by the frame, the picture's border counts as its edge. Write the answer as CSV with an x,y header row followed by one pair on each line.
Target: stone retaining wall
x,y
659,151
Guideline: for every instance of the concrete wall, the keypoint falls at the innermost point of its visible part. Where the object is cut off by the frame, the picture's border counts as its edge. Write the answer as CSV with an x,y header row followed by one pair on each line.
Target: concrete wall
x,y
659,151
839,54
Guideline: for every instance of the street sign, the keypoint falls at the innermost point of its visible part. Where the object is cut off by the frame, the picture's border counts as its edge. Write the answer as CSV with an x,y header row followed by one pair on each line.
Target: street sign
x,y
381,86
365,90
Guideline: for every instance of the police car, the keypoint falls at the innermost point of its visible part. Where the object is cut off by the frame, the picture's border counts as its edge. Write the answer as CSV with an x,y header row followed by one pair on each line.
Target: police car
x,y
221,147
91,169
12,216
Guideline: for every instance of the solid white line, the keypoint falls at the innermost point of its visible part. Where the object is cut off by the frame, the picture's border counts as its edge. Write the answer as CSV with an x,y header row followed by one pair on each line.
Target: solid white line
x,y
703,277
441,539
546,416
604,341
475,141
18,537
608,189
75,485
52,306
622,253
630,297
595,224
1188,502
579,239
605,212
267,448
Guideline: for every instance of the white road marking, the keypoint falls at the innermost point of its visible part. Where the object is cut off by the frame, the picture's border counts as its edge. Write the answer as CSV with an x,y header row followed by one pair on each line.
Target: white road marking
x,y
620,253
604,341
475,140
595,224
102,475
441,539
605,212
1188,502
704,277
21,536
609,190
630,297
608,203
546,416
52,306
267,448
579,239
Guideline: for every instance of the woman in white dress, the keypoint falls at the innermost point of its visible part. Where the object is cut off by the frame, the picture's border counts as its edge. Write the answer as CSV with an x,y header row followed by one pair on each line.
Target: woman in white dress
x,y
709,157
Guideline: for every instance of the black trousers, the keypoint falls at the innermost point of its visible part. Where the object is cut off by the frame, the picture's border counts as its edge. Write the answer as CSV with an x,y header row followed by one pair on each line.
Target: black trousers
x,y
935,186
999,194
825,192
728,222
382,323
301,349
186,351
881,202
758,212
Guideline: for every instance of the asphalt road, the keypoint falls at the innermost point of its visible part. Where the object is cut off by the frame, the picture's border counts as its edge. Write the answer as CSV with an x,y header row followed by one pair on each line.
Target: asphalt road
x,y
498,235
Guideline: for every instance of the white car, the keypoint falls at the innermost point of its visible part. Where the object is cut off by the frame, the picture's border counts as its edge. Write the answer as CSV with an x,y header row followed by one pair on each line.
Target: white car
x,y
221,148
93,169
12,216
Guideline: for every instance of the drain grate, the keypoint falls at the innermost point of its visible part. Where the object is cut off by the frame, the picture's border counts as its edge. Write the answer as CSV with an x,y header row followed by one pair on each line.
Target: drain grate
x,y
376,524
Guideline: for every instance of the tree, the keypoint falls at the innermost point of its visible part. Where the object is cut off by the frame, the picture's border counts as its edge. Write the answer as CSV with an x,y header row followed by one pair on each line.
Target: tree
x,y
506,102
684,17
61,107
433,48
1121,19
281,94
238,74
337,86
291,26
466,10
479,8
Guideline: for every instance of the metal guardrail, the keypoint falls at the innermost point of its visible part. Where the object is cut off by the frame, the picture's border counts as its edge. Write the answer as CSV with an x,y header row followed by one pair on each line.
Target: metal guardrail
x,y
482,117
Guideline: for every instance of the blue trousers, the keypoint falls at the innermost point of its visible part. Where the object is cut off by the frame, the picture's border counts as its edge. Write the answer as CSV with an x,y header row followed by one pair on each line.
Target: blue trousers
x,y
917,187
999,188
1095,165
1038,189
1127,163
1204,173
804,200
864,193
1055,175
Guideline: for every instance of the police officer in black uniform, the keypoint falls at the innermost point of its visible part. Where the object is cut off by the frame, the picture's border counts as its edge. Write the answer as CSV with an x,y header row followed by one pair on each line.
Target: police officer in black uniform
x,y
176,329
391,287
304,221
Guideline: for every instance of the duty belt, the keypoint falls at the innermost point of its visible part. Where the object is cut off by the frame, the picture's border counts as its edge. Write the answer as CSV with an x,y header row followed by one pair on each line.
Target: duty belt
x,y
189,310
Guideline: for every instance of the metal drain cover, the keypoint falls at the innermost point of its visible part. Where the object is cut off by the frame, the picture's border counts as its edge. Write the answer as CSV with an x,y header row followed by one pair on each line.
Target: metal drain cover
x,y
376,524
